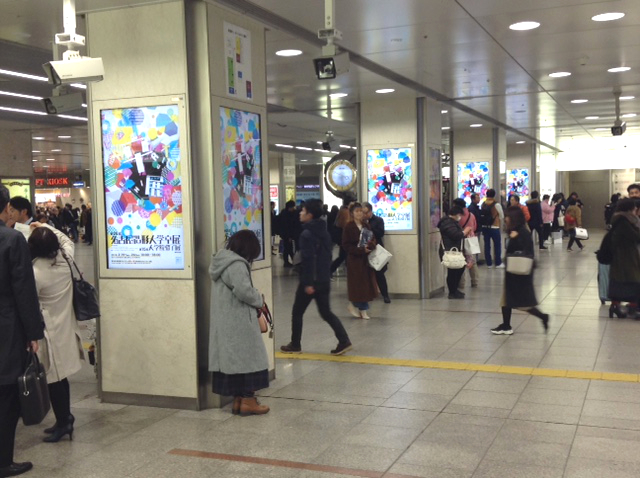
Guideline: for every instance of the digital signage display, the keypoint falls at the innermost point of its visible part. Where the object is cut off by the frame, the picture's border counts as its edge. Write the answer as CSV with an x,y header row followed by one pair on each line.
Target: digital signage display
x,y
142,166
390,186
473,178
18,187
518,183
241,153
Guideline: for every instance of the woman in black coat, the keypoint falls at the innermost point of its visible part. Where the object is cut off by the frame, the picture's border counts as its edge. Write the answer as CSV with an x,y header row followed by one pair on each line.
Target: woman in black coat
x,y
624,278
518,289
452,236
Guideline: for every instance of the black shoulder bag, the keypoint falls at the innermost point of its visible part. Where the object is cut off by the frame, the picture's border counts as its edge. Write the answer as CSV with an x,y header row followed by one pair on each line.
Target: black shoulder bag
x,y
85,297
33,391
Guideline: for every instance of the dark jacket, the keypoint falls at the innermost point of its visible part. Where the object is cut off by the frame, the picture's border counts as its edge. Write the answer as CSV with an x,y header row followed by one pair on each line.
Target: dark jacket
x,y
625,268
376,223
535,209
20,318
289,224
361,279
475,210
452,234
315,249
518,290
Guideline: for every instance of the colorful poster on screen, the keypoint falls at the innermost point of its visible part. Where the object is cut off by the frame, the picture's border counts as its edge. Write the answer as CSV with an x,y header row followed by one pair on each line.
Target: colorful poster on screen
x,y
518,183
237,48
242,173
18,187
143,188
473,178
435,189
390,187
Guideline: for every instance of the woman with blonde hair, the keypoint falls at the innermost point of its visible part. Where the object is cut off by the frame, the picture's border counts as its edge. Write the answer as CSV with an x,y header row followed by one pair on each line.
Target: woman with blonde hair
x,y
358,241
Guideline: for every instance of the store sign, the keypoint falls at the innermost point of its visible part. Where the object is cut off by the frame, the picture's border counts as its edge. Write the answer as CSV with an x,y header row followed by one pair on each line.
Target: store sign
x,y
51,182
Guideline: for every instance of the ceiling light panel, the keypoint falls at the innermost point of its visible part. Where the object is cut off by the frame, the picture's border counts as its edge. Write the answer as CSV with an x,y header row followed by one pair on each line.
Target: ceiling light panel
x,y
560,74
522,26
291,52
607,17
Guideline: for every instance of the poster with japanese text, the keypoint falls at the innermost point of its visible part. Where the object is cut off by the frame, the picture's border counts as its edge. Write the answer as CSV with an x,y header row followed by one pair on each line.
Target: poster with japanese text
x,y
143,188
237,48
518,183
390,186
242,173
473,178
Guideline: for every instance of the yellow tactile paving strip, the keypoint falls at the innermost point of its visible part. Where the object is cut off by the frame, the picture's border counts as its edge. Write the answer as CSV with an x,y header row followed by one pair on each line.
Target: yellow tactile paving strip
x,y
474,367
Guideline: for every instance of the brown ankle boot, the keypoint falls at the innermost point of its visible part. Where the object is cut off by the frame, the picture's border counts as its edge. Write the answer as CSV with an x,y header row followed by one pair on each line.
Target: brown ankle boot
x,y
251,406
235,409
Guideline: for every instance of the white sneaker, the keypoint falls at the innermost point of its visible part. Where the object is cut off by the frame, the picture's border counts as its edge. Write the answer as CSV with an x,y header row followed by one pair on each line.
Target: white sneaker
x,y
501,266
353,311
364,315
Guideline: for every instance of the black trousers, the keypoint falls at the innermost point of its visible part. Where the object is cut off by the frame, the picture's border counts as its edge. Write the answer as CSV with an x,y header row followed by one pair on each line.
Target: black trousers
x,y
300,305
382,282
342,256
453,279
546,231
572,239
540,235
288,250
60,401
9,414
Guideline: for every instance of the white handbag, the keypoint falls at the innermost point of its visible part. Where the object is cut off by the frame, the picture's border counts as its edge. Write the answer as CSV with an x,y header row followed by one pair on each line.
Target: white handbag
x,y
519,265
379,257
561,221
454,258
582,233
472,245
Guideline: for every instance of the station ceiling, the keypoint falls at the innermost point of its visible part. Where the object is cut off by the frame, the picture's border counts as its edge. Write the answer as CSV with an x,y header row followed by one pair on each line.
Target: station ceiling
x,y
461,52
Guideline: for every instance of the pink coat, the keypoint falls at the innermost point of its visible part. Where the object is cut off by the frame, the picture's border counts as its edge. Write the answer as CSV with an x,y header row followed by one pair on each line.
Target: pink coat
x,y
468,220
547,212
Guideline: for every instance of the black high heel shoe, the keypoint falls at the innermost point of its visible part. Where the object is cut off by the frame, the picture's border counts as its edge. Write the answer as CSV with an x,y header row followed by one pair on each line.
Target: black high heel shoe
x,y
52,429
59,433
615,309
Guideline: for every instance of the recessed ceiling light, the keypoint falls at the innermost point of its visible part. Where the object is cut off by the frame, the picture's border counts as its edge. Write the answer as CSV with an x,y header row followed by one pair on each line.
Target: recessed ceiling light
x,y
304,148
285,146
354,147
291,52
18,110
524,26
23,75
50,159
19,95
34,160
35,151
39,138
592,117
304,160
623,98
444,112
619,69
64,137
45,166
84,105
520,142
320,150
560,74
382,91
629,115
56,150
580,100
476,125
445,128
333,96
607,17
79,118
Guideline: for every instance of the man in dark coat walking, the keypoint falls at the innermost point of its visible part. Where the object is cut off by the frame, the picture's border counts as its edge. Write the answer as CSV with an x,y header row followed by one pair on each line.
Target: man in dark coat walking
x,y
376,223
21,326
535,222
315,279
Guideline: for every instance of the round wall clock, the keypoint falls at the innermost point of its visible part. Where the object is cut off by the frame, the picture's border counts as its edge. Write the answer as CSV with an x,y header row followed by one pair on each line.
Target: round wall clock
x,y
340,175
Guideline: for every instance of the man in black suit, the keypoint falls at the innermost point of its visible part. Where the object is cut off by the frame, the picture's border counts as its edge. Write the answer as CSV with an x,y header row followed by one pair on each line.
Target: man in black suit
x,y
377,227
21,327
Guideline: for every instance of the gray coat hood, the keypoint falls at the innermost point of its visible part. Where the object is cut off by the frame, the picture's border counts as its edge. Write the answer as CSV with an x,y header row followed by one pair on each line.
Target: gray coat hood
x,y
222,260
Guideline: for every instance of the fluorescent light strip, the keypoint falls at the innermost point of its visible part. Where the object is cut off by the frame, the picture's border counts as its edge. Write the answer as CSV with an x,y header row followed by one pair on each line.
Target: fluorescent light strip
x,y
79,118
303,148
19,95
23,75
18,110
284,146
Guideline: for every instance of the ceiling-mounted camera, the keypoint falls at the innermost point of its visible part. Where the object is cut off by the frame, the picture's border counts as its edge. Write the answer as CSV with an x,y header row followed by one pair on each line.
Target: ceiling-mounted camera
x,y
326,144
618,128
61,101
329,67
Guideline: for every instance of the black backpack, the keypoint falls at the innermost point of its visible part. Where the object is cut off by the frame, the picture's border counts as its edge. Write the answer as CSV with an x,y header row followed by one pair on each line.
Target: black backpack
x,y
485,218
605,253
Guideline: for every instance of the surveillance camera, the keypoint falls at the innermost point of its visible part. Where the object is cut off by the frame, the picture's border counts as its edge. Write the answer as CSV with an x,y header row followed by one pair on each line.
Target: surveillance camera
x,y
329,67
63,103
618,128
326,146
75,70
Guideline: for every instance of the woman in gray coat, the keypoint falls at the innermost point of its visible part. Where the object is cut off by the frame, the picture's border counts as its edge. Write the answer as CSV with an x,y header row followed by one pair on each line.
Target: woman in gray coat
x,y
237,355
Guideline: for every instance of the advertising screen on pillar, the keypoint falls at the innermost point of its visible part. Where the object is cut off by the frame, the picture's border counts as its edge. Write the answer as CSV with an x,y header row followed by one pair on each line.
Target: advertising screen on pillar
x,y
473,178
18,187
241,153
143,188
518,183
390,186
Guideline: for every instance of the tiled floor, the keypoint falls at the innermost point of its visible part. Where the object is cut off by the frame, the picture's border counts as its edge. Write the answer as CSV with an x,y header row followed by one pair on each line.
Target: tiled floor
x,y
393,421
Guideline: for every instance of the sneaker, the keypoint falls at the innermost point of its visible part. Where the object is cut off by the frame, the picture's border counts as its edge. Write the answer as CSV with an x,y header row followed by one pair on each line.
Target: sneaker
x,y
501,330
290,349
341,348
501,266
364,315
581,249
353,311
456,295
569,250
